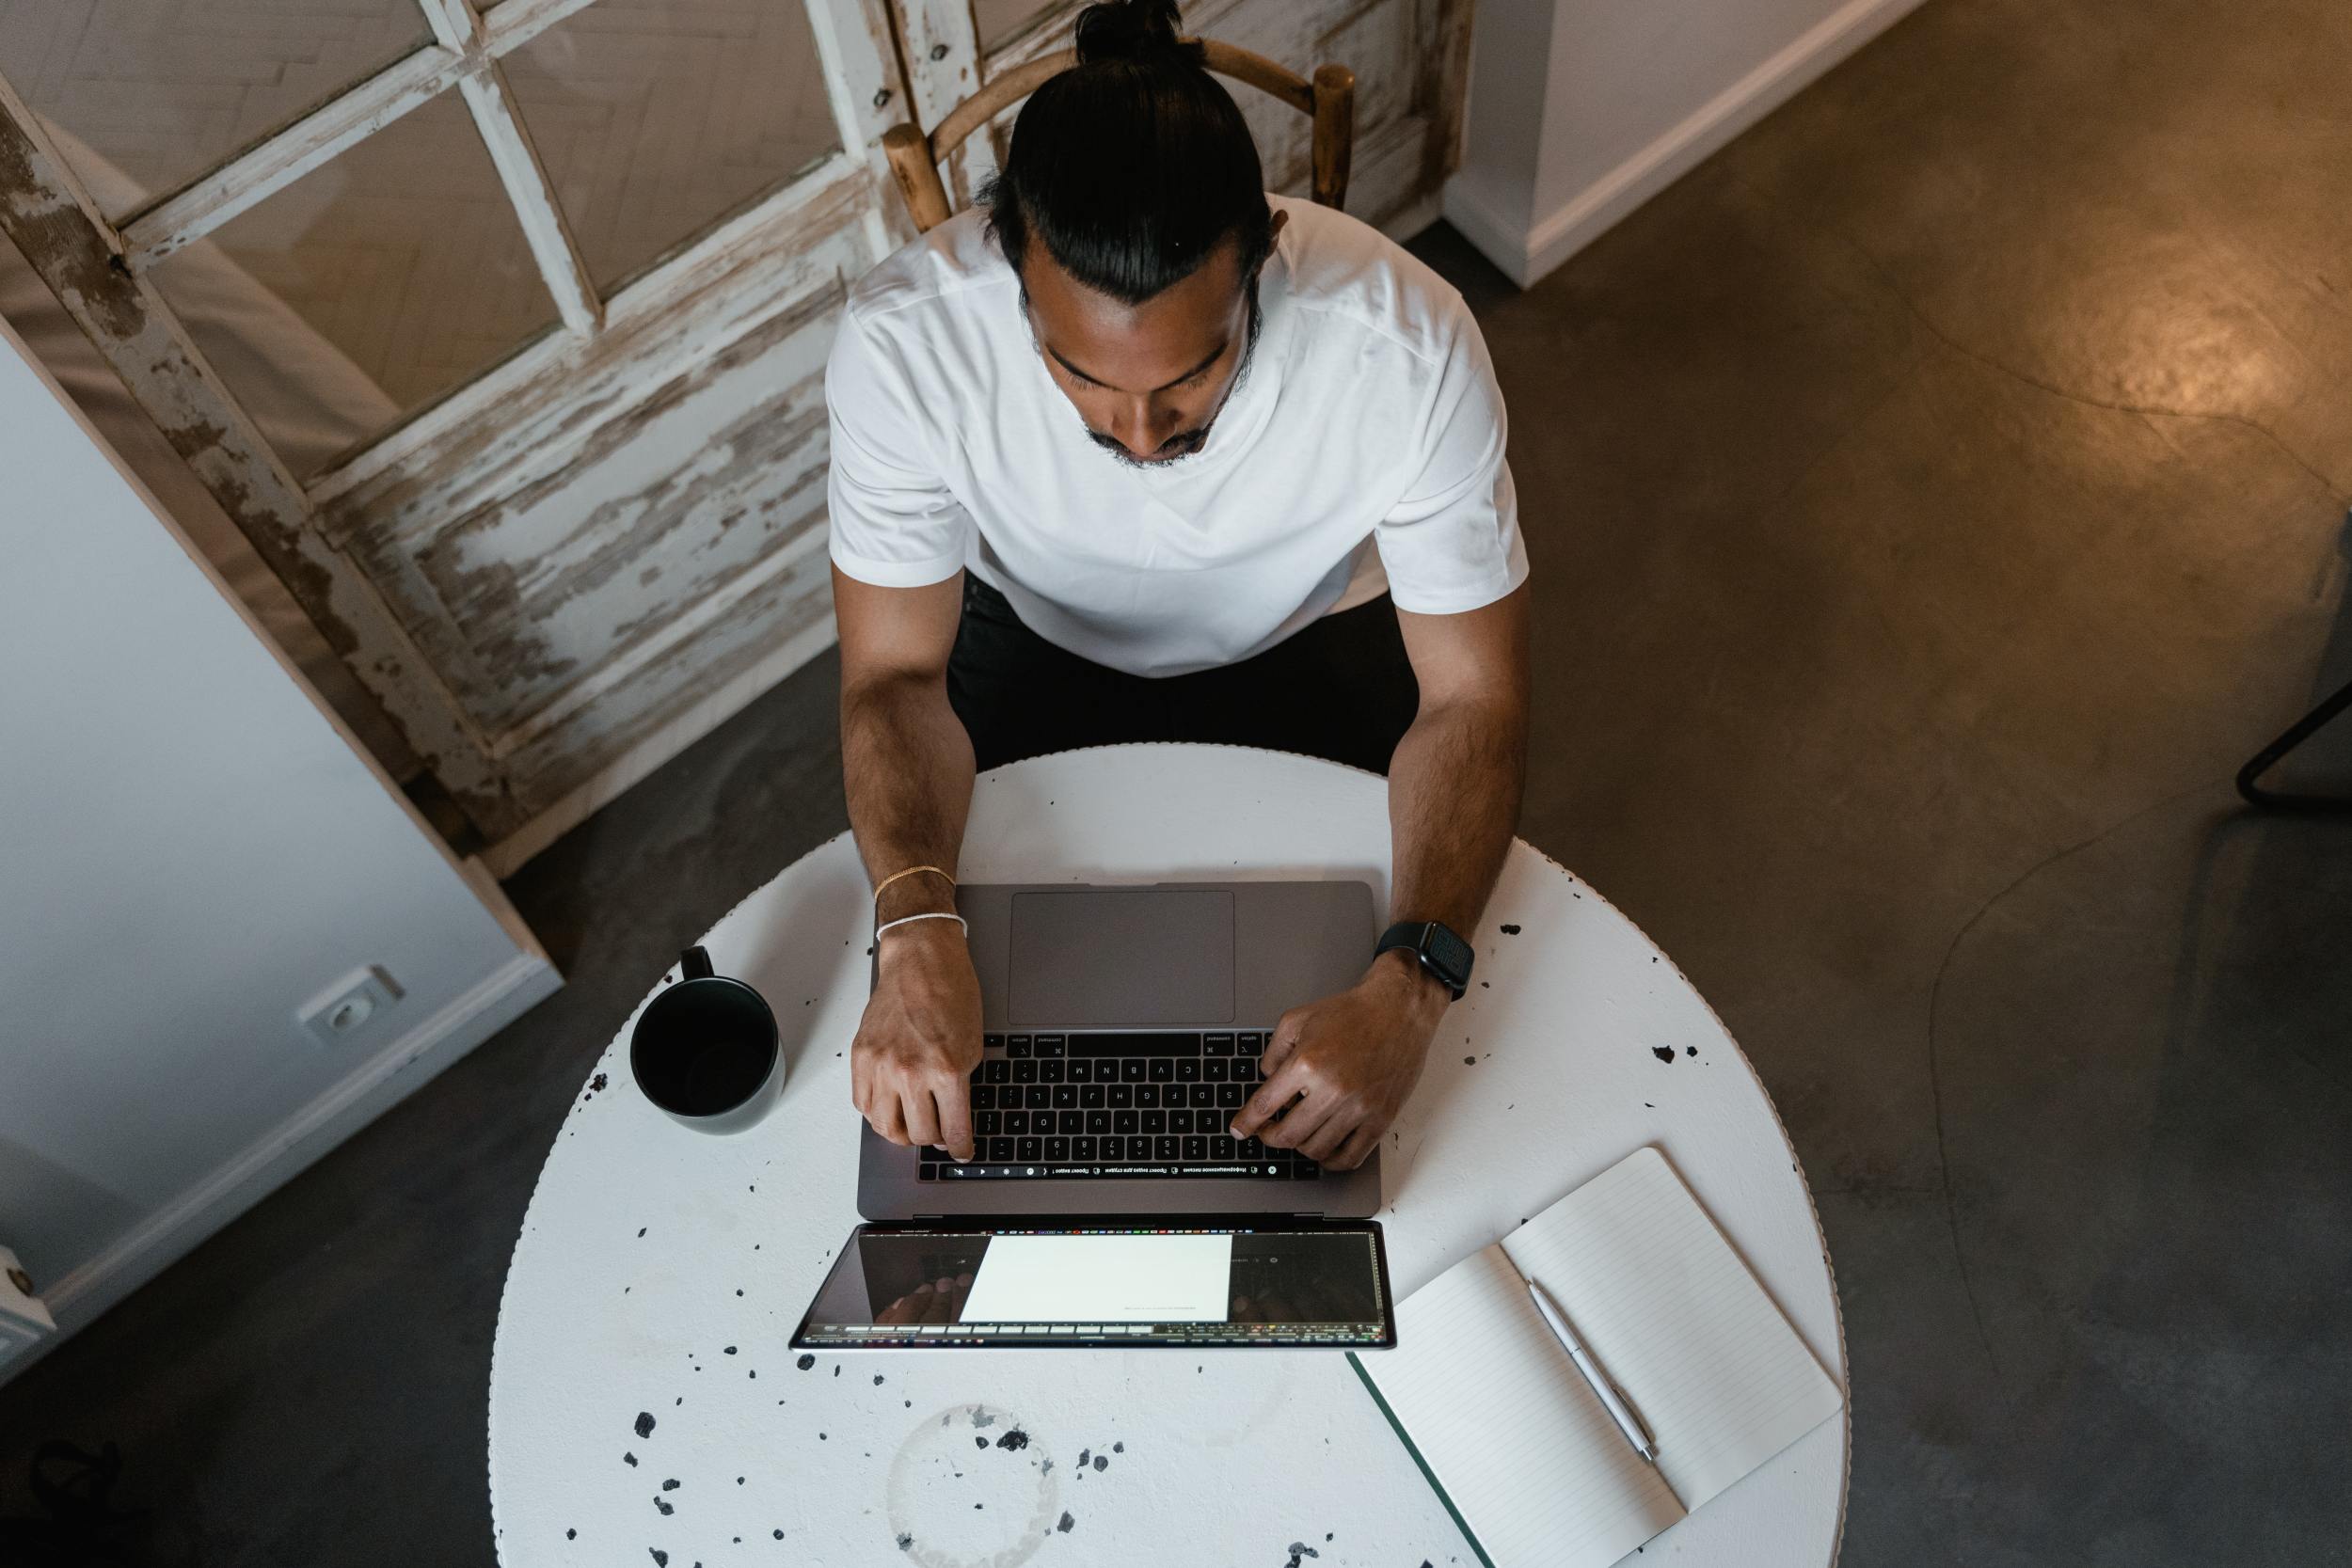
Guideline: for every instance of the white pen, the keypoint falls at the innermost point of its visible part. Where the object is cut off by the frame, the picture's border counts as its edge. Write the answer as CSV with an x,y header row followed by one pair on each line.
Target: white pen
x,y
1628,1423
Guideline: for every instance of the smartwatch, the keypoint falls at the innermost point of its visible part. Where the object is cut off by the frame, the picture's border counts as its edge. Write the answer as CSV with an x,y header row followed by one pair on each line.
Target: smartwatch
x,y
1441,953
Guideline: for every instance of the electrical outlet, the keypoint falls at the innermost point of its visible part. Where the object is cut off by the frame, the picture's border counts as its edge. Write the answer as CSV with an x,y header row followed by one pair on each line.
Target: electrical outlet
x,y
350,1006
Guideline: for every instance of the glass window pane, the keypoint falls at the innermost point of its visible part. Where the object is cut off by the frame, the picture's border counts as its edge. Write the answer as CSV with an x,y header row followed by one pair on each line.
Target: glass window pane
x,y
155,92
367,287
657,117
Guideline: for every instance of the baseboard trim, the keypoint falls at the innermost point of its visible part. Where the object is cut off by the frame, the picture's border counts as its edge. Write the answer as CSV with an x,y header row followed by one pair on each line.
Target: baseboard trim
x,y
235,1186
1528,255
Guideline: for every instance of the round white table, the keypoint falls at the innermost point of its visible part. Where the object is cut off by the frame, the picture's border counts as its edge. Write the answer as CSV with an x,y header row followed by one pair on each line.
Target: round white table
x,y
644,1407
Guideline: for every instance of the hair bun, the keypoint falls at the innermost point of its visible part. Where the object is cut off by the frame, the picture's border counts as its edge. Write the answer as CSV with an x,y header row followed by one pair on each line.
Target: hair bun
x,y
1135,31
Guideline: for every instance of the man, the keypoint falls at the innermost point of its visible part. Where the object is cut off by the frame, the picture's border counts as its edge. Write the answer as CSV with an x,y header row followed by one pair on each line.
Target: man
x,y
1134,451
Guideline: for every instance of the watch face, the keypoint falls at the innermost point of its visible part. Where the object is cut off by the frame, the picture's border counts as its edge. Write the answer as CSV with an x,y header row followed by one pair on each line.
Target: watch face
x,y
1448,954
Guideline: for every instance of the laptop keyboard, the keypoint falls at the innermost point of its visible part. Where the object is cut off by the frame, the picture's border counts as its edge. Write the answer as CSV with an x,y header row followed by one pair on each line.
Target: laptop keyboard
x,y
1113,1104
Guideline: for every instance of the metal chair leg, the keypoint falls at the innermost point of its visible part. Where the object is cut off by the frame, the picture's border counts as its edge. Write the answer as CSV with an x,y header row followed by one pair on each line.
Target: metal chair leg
x,y
2302,729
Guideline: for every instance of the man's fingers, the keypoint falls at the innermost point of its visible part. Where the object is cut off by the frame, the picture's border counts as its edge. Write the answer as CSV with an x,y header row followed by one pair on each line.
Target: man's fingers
x,y
1352,1153
1328,1136
922,1122
1270,1096
881,1109
1299,1125
1279,1044
955,1118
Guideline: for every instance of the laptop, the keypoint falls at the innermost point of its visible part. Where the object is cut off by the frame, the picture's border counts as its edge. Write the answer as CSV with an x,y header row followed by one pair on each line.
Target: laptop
x,y
1105,1201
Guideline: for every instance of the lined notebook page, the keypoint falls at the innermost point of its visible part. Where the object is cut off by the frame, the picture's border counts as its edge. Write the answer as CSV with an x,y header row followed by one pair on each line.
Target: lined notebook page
x,y
1514,1434
1677,1322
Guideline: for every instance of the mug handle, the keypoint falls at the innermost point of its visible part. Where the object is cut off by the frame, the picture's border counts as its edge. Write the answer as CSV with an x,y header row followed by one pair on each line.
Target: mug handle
x,y
694,964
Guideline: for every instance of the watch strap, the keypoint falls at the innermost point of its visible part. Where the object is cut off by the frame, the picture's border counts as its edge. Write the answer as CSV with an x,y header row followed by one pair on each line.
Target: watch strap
x,y
1414,934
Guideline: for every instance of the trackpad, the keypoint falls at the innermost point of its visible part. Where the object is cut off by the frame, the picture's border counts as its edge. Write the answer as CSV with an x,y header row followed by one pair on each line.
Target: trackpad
x,y
1121,956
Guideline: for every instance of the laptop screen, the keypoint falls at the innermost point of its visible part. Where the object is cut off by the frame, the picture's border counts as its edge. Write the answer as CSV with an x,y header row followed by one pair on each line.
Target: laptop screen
x,y
1094,1282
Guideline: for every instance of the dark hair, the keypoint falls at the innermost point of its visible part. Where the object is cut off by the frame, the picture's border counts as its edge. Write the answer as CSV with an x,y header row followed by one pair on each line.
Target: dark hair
x,y
1133,165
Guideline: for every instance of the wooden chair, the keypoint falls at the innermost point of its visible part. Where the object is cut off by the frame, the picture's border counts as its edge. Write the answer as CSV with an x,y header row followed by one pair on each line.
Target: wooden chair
x,y
1329,99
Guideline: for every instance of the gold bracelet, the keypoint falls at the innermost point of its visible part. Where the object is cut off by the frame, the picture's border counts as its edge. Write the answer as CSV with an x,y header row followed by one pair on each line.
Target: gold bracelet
x,y
909,872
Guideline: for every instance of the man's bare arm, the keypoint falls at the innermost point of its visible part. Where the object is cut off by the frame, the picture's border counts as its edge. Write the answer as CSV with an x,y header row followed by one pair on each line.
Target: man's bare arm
x,y
1455,782
1350,1061
907,769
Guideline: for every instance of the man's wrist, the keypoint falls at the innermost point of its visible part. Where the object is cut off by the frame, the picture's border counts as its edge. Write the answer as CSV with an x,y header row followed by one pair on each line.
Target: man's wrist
x,y
1426,992
923,894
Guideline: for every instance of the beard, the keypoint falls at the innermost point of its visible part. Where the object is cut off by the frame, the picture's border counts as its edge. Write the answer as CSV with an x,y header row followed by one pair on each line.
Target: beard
x,y
1184,443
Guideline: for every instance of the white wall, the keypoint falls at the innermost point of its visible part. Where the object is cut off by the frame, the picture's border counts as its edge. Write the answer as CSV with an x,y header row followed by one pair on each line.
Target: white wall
x,y
1581,110
190,849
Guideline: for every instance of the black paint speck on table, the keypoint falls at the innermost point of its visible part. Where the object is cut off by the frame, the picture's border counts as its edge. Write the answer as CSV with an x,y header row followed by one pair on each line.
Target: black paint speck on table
x,y
663,1504
1510,930
1015,1439
979,1442
730,1350
628,1459
645,1424
661,1557
1300,1549
1469,1061
670,1485
1663,1053
905,1541
1690,1051
806,1362
1119,1448
877,1378
1101,1464
1066,1522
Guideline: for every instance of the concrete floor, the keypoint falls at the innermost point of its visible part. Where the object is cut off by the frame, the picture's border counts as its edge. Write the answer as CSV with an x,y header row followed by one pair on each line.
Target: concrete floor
x,y
1934,498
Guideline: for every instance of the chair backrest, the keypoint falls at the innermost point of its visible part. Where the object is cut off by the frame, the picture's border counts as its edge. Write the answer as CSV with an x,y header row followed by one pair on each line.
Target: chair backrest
x,y
1329,99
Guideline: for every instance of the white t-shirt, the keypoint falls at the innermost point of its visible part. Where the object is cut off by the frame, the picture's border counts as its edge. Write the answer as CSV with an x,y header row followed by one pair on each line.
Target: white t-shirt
x,y
1368,416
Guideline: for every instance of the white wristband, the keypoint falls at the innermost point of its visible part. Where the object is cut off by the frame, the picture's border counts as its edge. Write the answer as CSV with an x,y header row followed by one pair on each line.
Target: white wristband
x,y
911,919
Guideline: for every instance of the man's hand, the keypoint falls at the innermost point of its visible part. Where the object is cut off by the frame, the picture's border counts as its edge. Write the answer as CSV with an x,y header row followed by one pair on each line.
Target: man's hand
x,y
1349,1061
911,1066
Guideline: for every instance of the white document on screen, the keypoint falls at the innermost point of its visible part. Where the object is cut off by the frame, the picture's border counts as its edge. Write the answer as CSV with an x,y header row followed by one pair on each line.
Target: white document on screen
x,y
1161,1280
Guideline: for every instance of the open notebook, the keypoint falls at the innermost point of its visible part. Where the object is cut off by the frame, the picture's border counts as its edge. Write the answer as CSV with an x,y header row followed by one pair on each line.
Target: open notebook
x,y
1514,1438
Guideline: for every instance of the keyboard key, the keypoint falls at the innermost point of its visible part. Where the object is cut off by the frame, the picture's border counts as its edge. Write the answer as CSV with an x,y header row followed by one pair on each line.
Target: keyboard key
x,y
1049,1046
1049,1072
1057,1148
1066,1122
996,1071
1214,1069
1201,1095
984,1122
1065,1096
1196,1148
1249,1045
1030,1150
1231,1096
1168,1147
991,1043
1180,1121
1223,1148
1245,1070
1146,1095
1121,1096
927,1172
1091,1097
1134,1045
1098,1121
1154,1121
1082,1148
1161,1069
984,1097
1216,1045
1000,1148
1017,1046
1024,1070
1187,1070
1134,1070
1250,1148
1081,1070
1016,1122
1125,1122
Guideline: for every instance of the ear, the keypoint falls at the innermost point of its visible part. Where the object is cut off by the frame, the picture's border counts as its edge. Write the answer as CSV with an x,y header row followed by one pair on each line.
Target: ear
x,y
1274,233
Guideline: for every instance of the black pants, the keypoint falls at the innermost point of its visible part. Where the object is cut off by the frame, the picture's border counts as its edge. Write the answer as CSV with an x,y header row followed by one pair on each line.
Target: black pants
x,y
1340,687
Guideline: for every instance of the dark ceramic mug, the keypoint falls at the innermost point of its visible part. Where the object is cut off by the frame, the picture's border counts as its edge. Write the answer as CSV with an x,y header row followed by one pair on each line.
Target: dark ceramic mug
x,y
705,1050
